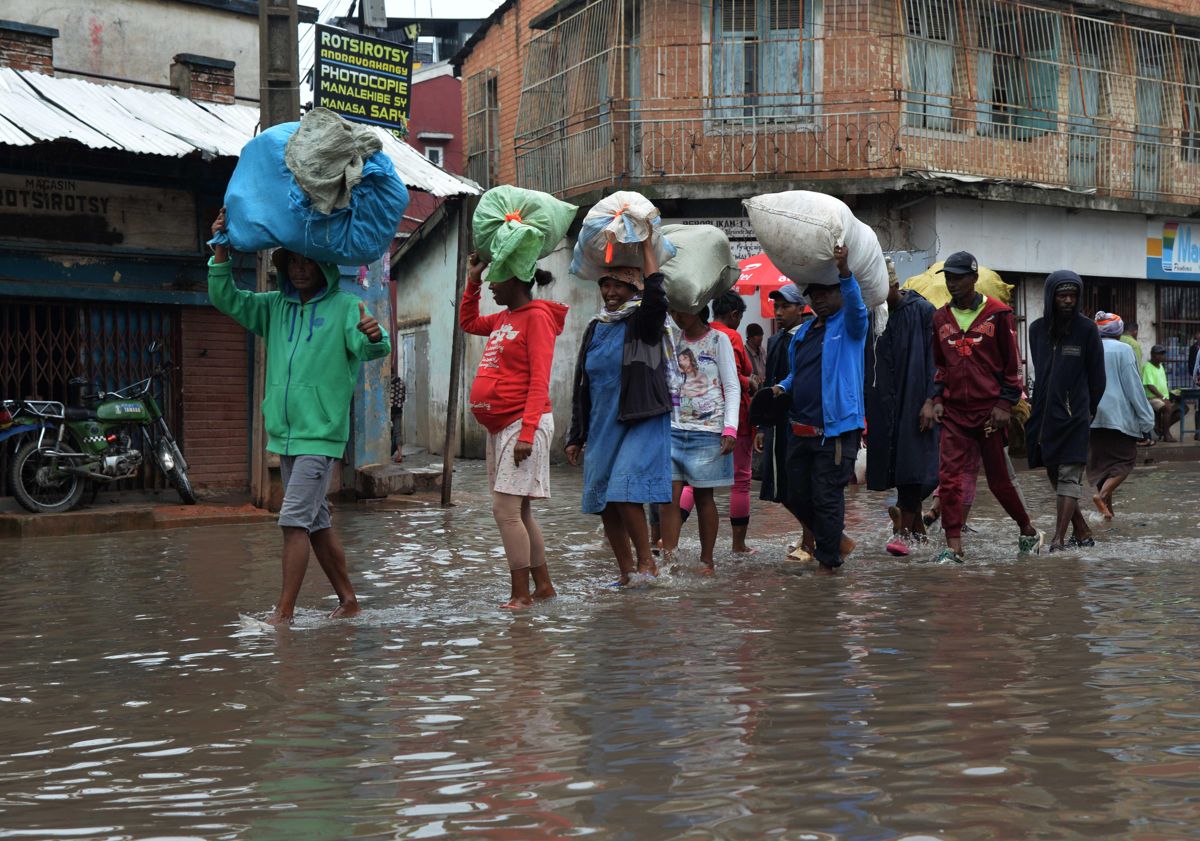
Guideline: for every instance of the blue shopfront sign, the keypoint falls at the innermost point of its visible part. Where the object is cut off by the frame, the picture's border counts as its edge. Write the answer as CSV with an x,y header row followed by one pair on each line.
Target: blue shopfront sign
x,y
1173,250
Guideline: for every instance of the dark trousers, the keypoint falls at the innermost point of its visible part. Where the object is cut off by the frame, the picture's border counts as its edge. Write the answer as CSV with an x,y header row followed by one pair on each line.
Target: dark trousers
x,y
818,470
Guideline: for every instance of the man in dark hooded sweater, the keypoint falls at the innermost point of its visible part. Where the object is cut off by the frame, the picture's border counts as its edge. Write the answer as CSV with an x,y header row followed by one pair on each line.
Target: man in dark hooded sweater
x,y
1068,366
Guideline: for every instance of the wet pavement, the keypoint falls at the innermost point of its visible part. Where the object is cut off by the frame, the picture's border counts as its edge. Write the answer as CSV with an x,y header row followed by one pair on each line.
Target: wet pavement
x,y
1045,698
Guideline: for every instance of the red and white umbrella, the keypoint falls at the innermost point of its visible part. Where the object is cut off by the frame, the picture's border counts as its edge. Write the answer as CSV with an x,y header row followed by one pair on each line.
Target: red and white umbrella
x,y
759,274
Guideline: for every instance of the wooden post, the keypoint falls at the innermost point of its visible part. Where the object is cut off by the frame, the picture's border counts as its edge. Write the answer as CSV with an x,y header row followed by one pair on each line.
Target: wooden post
x,y
279,102
466,208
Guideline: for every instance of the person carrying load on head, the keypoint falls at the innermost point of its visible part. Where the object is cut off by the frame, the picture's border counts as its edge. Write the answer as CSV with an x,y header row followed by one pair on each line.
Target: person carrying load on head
x,y
621,410
825,385
316,336
511,398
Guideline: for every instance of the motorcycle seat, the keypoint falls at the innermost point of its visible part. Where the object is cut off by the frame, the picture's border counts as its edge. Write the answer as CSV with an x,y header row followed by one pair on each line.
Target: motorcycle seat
x,y
78,413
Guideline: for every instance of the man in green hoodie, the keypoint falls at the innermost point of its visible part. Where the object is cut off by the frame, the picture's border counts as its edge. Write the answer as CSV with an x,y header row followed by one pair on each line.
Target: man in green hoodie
x,y
316,336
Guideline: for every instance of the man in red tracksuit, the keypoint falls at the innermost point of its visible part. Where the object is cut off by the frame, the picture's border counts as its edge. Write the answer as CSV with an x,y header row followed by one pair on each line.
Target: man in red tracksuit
x,y
976,384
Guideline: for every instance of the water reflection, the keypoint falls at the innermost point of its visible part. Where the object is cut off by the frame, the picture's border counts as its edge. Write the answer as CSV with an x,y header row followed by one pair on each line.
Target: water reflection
x,y
1003,699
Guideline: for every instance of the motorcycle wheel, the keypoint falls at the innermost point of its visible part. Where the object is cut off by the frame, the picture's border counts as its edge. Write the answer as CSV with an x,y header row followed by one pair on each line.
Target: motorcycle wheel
x,y
39,488
178,477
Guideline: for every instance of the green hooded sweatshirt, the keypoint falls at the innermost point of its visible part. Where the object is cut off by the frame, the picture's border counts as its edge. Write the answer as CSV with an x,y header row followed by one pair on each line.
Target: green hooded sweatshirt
x,y
313,352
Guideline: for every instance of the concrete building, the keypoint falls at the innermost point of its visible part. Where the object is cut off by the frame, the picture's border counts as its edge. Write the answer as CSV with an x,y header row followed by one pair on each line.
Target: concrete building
x,y
1036,135
134,41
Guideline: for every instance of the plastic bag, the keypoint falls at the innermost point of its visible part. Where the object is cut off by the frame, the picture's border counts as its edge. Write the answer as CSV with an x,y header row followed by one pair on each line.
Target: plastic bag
x,y
266,208
702,269
513,228
931,283
326,156
613,232
798,231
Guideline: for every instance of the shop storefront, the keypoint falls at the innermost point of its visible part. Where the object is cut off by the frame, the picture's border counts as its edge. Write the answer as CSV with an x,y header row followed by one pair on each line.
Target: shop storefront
x,y
1173,262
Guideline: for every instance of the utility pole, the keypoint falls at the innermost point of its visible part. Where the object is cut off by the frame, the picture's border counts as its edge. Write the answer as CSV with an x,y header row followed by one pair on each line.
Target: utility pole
x,y
466,210
278,61
279,102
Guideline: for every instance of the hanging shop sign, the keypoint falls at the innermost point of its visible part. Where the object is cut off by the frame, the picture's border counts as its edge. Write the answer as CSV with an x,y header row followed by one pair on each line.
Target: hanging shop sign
x,y
743,242
363,79
1173,250
71,210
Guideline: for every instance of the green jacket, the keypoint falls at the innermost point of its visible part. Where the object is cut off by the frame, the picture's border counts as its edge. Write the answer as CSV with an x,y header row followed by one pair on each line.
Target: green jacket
x,y
313,351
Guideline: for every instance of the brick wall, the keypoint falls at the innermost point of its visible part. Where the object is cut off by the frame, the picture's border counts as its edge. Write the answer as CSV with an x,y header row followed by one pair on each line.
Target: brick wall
x,y
202,78
215,399
26,47
503,47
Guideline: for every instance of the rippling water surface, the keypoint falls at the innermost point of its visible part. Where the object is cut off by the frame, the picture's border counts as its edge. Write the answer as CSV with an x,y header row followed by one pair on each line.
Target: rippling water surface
x,y
1048,698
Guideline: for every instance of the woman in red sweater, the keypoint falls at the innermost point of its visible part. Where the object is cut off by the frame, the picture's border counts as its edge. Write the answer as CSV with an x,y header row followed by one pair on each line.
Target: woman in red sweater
x,y
511,398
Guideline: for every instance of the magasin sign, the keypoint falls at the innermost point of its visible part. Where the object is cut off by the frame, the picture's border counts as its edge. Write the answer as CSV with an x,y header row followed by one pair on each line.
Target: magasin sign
x,y
364,79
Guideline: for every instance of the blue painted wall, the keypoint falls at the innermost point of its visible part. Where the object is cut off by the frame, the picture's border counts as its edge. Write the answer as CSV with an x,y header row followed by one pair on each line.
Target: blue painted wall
x,y
370,422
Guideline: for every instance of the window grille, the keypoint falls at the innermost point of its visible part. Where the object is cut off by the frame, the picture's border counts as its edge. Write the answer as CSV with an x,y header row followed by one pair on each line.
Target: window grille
x,y
483,130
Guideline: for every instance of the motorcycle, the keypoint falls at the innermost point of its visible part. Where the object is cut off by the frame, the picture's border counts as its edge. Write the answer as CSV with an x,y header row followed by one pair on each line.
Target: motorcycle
x,y
63,448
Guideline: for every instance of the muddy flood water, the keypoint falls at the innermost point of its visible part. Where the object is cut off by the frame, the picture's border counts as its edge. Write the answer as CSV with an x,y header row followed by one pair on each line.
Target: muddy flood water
x,y
1045,698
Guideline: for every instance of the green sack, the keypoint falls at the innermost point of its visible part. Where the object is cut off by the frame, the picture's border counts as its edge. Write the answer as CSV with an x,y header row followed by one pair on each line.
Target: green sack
x,y
513,228
702,269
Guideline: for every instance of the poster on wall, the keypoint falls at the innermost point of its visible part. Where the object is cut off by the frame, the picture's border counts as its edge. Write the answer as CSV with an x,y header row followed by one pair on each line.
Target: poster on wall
x,y
1173,250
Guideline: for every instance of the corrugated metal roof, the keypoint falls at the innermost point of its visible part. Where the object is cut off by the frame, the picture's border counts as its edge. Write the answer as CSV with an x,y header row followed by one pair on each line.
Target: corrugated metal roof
x,y
35,108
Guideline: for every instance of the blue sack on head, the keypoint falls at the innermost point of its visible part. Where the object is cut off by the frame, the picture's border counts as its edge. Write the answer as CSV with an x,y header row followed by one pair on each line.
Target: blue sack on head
x,y
266,208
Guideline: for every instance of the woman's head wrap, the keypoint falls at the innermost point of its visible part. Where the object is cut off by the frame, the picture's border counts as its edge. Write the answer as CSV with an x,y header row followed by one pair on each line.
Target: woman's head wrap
x,y
1109,324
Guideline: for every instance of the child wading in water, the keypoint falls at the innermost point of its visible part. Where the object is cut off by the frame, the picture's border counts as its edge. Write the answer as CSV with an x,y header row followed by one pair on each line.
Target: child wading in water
x,y
705,398
511,398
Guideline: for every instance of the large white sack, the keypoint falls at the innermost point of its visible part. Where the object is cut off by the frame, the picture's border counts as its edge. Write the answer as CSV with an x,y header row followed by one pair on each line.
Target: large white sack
x,y
702,269
798,231
613,232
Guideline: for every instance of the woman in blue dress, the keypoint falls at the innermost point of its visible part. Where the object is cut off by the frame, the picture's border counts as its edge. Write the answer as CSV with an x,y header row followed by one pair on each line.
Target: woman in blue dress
x,y
621,411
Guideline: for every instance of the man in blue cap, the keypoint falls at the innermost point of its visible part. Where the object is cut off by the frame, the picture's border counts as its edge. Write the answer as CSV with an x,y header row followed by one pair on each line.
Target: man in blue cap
x,y
771,439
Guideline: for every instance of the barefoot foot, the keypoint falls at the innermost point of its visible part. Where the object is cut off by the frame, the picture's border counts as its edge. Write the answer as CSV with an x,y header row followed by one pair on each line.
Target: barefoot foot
x,y
547,592
847,546
1102,506
345,610
279,621
824,570
517,604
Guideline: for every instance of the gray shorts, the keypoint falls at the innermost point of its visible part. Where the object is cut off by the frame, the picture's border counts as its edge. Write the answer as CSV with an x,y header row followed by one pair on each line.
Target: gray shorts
x,y
1067,479
305,485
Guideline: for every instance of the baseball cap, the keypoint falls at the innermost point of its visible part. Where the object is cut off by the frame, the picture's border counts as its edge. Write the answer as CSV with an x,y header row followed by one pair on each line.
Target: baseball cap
x,y
789,293
960,262
1158,349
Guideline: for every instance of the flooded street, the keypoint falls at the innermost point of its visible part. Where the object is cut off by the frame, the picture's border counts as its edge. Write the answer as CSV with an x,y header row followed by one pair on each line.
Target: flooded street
x,y
1047,698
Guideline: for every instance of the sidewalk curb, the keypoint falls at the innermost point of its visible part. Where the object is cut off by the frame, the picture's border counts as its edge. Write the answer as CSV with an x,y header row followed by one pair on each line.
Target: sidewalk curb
x,y
124,518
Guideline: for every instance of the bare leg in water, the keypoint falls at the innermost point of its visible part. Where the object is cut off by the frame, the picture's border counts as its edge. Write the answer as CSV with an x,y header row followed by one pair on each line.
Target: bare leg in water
x,y
542,586
332,558
706,512
1103,498
627,531
524,548
296,545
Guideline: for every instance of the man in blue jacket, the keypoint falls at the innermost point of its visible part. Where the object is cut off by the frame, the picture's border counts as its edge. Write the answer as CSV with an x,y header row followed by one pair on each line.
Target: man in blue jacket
x,y
827,414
